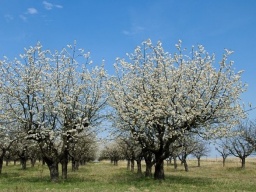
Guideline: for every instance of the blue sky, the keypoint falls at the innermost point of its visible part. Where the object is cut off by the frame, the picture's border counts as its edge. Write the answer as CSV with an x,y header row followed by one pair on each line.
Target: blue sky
x,y
112,28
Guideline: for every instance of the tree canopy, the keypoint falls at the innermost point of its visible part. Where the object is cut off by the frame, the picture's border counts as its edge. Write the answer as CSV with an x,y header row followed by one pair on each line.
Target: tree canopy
x,y
158,96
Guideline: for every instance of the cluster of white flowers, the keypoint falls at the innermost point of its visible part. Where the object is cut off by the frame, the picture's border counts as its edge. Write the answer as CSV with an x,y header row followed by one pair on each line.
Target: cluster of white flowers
x,y
158,96
50,96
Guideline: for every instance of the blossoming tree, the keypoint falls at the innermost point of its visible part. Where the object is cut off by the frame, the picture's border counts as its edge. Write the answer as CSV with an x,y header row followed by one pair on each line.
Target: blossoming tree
x,y
159,96
54,97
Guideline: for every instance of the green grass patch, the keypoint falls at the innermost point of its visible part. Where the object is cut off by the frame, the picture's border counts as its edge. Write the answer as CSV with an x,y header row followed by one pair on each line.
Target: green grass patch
x,y
103,176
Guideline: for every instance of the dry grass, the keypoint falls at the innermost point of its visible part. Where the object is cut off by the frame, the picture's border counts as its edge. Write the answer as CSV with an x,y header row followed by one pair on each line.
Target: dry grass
x,y
103,176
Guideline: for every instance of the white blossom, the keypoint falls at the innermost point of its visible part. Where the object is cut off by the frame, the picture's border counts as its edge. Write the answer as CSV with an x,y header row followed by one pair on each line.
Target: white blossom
x,y
164,95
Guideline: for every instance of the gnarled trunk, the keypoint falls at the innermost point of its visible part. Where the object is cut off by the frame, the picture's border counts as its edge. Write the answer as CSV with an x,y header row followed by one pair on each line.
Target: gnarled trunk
x,y
159,169
53,168
54,172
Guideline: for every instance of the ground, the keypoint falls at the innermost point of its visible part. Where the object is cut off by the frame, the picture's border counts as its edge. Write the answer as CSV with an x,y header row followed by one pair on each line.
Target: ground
x,y
103,176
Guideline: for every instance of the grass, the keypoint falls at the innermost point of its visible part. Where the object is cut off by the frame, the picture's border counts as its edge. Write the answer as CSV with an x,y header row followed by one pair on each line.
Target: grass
x,y
103,176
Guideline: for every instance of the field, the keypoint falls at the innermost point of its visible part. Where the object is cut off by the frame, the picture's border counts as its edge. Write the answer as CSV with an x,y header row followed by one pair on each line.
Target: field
x,y
103,176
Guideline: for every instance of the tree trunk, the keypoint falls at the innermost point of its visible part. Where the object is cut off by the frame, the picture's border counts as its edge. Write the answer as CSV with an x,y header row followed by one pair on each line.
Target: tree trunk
x,y
33,162
139,166
23,162
128,164
198,162
169,160
82,162
185,165
243,162
64,165
148,172
149,164
73,164
7,162
116,162
1,164
132,165
223,161
54,172
64,170
159,169
23,158
53,166
77,163
175,162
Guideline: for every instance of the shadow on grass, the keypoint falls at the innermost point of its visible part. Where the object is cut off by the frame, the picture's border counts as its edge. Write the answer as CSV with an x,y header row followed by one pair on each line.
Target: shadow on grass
x,y
235,169
44,180
122,177
14,178
8,175
185,180
138,180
